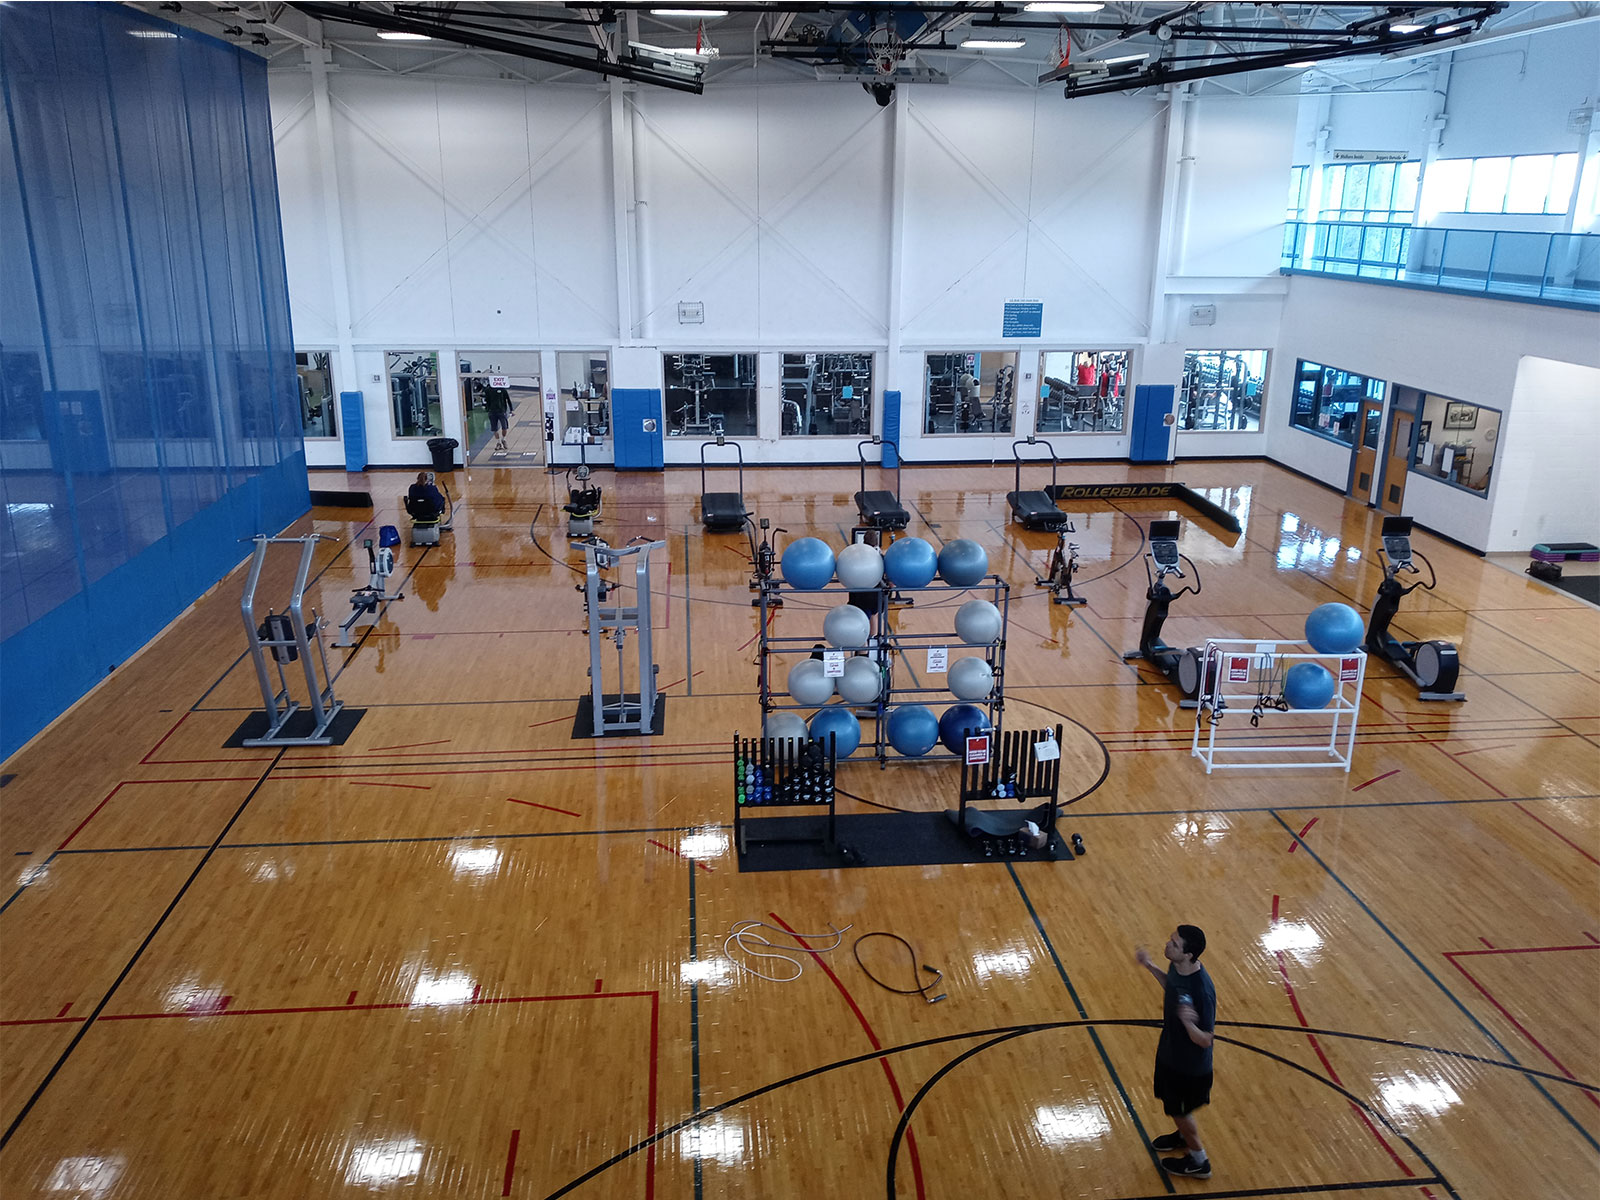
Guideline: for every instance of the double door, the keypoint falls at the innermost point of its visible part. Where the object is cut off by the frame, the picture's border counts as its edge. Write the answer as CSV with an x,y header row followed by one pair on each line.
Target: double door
x,y
1382,461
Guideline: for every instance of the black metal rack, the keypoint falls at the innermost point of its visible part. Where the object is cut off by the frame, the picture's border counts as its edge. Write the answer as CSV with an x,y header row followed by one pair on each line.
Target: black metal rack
x,y
1016,774
782,773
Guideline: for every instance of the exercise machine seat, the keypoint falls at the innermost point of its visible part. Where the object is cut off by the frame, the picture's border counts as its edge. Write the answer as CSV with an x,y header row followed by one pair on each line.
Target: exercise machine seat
x,y
426,521
722,510
881,510
1035,510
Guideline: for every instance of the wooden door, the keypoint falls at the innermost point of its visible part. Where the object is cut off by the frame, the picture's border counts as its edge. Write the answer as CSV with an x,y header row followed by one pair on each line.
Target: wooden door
x,y
1366,464
1398,462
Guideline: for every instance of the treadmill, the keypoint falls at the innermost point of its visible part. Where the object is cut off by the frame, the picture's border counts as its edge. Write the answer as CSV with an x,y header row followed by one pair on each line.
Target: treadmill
x,y
1036,509
722,512
880,509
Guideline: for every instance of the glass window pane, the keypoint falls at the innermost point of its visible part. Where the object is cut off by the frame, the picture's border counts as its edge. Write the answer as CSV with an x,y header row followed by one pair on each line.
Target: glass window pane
x,y
501,408
1456,442
1297,192
1405,187
583,379
414,393
319,401
1332,188
708,394
826,395
1487,190
1380,188
1222,390
1529,184
969,391
1355,186
1082,391
1563,173
1445,187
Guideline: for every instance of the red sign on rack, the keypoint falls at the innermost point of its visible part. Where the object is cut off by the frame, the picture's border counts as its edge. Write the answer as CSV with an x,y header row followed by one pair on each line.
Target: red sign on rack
x,y
978,750
1238,668
1349,670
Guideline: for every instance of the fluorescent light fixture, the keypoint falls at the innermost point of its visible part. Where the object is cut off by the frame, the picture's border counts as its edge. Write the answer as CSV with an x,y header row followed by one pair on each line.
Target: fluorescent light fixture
x,y
1121,58
1301,66
688,12
398,35
151,33
1405,27
993,44
1062,6
1452,29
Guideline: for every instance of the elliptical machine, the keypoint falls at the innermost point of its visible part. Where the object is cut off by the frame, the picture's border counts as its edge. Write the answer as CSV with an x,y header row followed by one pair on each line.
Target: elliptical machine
x,y
1431,665
1181,667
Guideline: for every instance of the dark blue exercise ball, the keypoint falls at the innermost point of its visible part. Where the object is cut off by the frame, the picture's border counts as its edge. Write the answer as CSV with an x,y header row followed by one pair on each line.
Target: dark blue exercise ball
x,y
1307,685
808,564
913,729
955,722
1334,628
910,563
963,563
840,722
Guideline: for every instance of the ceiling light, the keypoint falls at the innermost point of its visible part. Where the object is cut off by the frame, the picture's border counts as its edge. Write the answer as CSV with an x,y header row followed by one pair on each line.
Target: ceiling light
x,y
1301,66
993,44
151,33
1061,6
688,12
1405,27
1452,29
398,35
1122,58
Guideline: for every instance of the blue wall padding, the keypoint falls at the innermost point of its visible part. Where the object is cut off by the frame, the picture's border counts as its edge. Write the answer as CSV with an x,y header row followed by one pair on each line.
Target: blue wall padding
x,y
636,447
1150,434
891,427
153,411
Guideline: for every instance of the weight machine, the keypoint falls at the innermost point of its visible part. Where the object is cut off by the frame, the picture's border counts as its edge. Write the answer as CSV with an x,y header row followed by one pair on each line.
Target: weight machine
x,y
289,637
620,712
1181,667
1431,665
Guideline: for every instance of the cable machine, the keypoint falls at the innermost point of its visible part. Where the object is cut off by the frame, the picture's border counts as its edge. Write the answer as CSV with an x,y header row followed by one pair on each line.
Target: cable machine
x,y
622,711
289,637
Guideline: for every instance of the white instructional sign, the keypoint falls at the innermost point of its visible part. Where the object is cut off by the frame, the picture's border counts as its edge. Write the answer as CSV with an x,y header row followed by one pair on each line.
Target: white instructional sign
x,y
833,664
938,660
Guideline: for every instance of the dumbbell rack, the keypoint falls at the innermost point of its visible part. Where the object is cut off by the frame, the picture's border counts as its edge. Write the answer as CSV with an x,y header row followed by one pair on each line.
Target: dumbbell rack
x,y
889,647
782,773
1013,773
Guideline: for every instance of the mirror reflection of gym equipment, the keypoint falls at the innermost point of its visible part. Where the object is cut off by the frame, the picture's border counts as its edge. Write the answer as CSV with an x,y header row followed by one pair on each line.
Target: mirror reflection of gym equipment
x,y
584,378
826,395
1082,391
414,392
318,404
971,392
710,394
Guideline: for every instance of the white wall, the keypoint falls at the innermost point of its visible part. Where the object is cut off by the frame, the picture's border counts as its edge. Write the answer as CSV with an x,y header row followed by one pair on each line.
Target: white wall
x,y
1549,449
1514,97
1462,347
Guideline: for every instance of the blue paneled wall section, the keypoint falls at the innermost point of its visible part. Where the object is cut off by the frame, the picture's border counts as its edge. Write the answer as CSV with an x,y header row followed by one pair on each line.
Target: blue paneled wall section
x,y
148,398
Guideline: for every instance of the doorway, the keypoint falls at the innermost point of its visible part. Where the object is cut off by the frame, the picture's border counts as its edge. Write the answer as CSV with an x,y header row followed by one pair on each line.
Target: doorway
x,y
1397,461
1365,467
502,382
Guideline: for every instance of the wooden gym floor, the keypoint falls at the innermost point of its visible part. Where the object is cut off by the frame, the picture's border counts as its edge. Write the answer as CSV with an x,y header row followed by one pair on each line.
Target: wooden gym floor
x,y
466,956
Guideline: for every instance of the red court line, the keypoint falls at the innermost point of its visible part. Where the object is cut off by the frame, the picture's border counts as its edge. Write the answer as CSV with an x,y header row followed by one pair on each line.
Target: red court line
x,y
511,1162
1468,769
352,998
888,1070
409,746
1294,1003
535,725
1558,833
146,759
1591,937
546,807
1487,942
1496,746
417,787
597,984
574,766
1520,949
1516,1024
1375,779
680,854
64,1009
1301,835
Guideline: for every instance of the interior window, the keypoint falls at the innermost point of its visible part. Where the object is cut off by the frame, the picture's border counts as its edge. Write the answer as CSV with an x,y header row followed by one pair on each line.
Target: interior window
x,y
1082,391
708,394
969,391
826,395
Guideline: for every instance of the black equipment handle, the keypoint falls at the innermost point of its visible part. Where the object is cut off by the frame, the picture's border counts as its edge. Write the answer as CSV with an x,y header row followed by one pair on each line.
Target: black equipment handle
x,y
1033,441
881,441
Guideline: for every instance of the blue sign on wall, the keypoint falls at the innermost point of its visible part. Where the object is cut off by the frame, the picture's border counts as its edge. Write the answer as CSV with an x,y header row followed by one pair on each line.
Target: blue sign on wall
x,y
1024,318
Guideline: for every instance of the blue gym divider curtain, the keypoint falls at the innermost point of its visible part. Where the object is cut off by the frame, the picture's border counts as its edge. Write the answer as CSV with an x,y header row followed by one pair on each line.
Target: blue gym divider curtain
x,y
148,398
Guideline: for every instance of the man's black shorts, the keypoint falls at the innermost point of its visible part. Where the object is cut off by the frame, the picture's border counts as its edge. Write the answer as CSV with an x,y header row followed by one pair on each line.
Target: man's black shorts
x,y
1181,1094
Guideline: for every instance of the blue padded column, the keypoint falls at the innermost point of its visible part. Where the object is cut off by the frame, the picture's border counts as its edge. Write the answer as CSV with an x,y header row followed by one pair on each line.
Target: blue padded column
x,y
891,427
353,419
1150,434
636,418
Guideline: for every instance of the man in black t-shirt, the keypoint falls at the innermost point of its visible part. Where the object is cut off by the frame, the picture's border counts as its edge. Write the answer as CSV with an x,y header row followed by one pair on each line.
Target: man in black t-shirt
x,y
1183,1057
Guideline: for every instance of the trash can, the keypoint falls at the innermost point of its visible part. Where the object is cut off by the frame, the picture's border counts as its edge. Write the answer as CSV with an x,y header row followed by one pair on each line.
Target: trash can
x,y
444,453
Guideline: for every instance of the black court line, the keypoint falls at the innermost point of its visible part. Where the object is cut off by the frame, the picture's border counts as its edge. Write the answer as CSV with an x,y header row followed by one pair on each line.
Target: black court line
x,y
1094,1036
694,1029
1434,979
688,636
88,1023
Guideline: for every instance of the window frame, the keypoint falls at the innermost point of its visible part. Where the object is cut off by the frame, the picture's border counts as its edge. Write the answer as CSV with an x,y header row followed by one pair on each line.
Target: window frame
x,y
1323,370
977,354
755,396
594,405
308,352
437,402
869,401
1221,353
1429,472
1119,402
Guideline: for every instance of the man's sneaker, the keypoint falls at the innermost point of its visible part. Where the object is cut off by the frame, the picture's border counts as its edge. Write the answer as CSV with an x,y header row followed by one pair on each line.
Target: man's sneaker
x,y
1187,1166
1169,1142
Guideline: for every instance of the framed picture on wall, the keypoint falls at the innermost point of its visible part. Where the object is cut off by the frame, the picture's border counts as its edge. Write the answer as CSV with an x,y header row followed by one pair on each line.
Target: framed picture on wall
x,y
1424,431
1460,416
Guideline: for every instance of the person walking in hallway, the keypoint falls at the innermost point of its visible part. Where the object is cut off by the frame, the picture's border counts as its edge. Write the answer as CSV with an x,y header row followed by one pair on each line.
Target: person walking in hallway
x,y
1183,1056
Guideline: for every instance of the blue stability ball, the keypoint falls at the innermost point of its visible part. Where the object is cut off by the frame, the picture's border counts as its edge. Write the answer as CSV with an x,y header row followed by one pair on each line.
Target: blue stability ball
x,y
808,564
840,722
910,563
913,729
963,563
955,722
1306,685
1334,629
